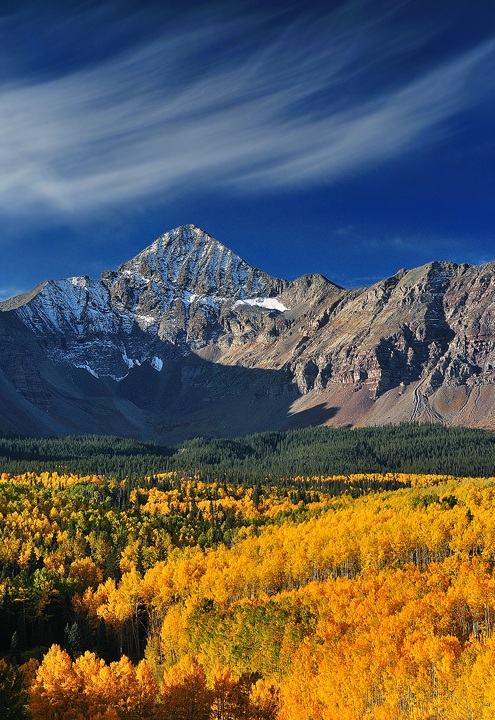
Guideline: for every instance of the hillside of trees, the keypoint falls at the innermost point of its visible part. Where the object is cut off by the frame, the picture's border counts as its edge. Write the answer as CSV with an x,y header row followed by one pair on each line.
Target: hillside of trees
x,y
167,597
408,448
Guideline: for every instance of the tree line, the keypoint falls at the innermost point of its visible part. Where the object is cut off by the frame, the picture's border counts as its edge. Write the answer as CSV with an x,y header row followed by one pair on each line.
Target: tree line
x,y
408,448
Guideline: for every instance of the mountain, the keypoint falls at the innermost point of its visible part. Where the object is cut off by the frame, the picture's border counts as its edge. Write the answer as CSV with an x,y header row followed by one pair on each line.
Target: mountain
x,y
188,339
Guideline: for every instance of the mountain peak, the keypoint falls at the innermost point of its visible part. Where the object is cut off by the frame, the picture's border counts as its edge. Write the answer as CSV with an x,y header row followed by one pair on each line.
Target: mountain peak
x,y
189,259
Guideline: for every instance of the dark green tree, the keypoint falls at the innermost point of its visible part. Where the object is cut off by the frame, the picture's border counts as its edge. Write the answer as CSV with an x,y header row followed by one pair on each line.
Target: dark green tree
x,y
73,639
13,695
15,645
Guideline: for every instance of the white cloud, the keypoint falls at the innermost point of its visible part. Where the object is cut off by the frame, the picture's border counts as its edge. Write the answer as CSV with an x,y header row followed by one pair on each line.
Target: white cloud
x,y
418,246
168,117
8,292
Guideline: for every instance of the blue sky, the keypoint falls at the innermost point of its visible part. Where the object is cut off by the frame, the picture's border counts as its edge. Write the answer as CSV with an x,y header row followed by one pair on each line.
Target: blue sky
x,y
348,138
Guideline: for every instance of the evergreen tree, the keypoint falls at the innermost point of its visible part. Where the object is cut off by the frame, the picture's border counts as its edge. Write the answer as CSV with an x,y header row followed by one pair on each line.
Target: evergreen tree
x,y
15,646
13,696
73,639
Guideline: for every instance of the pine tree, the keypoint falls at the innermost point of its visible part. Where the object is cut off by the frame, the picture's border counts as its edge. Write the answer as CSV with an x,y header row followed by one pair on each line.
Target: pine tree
x,y
73,639
13,696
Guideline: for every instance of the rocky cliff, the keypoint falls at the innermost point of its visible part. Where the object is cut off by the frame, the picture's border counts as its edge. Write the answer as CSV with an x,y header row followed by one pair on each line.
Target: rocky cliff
x,y
188,339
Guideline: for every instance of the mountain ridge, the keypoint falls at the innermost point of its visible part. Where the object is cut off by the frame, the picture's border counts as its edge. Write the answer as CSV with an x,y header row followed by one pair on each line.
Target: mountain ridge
x,y
188,339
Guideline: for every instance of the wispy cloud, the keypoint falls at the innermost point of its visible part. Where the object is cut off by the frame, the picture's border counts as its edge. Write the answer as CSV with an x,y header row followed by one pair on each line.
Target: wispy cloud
x,y
8,292
175,115
421,248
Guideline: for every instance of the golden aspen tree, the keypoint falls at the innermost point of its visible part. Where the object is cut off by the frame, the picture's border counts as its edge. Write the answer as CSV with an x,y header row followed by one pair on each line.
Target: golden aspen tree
x,y
184,694
230,696
263,701
56,693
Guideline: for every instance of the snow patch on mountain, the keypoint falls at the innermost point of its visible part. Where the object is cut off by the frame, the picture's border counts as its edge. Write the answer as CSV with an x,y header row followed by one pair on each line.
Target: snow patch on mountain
x,y
86,367
268,303
156,363
145,321
129,361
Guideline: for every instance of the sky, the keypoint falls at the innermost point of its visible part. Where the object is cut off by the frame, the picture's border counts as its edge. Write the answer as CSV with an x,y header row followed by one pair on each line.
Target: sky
x,y
349,138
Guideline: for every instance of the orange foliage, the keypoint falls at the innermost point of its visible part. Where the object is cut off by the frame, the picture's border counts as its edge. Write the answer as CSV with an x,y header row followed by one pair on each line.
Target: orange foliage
x,y
88,688
379,608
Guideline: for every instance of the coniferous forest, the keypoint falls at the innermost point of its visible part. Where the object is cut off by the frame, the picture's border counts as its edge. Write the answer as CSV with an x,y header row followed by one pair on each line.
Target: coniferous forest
x,y
320,573
413,448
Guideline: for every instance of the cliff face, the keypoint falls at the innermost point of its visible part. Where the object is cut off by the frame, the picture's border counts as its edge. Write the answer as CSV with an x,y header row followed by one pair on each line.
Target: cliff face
x,y
188,339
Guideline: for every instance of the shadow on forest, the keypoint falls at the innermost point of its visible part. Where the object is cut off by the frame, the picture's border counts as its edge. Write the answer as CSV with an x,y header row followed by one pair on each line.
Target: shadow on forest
x,y
311,417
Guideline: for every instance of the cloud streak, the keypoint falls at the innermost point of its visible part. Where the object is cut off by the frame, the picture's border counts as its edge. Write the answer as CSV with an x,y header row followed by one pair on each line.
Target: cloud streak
x,y
10,291
176,115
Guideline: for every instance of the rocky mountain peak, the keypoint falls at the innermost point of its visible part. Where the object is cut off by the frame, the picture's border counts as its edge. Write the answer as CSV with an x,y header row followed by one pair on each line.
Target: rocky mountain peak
x,y
188,259
439,273
173,291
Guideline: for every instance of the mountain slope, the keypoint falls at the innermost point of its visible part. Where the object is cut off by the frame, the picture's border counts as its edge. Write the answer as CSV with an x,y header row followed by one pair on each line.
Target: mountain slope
x,y
187,339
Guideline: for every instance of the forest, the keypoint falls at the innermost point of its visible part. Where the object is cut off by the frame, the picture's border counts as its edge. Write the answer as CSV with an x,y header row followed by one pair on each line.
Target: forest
x,y
218,591
429,448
